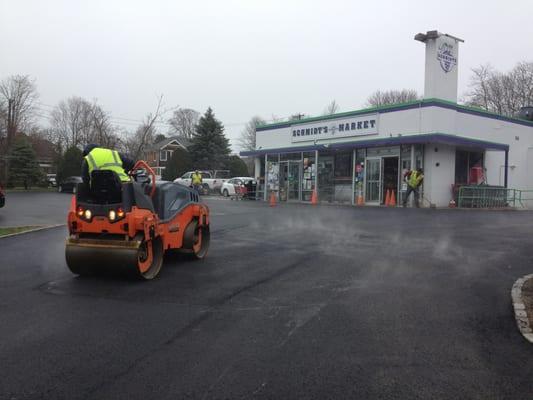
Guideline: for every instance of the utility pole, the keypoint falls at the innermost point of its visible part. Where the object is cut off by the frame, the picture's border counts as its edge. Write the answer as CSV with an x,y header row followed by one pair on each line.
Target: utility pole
x,y
10,122
10,135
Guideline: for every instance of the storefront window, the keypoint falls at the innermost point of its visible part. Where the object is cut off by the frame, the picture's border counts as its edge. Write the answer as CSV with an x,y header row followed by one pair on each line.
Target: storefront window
x,y
343,177
309,175
290,156
359,176
405,165
260,191
419,156
272,175
468,167
326,177
335,176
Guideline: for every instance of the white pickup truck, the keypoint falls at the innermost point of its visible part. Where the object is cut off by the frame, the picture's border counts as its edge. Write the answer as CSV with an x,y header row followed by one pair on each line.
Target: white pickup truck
x,y
211,180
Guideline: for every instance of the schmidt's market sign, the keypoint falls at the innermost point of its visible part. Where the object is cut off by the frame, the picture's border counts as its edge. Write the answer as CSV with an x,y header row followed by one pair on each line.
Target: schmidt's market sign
x,y
356,126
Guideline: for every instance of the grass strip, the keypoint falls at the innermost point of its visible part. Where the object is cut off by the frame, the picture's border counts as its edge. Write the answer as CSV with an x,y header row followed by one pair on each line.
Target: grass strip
x,y
16,229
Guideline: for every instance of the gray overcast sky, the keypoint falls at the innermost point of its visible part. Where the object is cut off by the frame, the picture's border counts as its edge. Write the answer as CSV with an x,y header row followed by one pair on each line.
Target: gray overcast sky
x,y
246,57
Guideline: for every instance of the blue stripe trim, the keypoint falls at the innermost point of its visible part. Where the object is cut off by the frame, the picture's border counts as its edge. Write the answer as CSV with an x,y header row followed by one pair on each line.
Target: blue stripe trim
x,y
428,138
401,107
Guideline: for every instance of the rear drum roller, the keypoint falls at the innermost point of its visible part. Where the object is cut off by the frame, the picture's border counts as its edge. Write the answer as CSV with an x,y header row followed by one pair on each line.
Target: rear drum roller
x,y
196,239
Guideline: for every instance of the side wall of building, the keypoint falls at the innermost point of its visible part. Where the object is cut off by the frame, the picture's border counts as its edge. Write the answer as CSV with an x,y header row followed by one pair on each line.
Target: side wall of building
x,y
439,174
518,137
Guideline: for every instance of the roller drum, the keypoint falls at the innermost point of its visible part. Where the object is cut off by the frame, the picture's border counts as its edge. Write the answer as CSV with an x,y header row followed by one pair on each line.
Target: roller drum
x,y
97,257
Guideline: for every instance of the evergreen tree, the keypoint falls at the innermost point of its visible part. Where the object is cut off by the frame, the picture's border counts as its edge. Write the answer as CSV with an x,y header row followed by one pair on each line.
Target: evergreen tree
x,y
23,167
237,166
209,147
179,163
70,163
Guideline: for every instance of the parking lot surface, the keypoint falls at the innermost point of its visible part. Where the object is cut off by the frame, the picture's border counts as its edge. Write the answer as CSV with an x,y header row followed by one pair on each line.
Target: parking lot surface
x,y
292,302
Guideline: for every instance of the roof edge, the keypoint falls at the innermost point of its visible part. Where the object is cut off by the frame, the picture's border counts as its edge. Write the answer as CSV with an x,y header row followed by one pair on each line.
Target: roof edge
x,y
434,137
431,102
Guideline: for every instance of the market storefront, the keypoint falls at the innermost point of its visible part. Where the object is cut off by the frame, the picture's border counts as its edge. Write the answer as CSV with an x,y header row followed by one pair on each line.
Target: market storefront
x,y
363,172
339,176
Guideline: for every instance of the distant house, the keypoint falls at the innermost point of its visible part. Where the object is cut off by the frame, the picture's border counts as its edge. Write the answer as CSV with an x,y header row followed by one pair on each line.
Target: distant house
x,y
46,153
159,154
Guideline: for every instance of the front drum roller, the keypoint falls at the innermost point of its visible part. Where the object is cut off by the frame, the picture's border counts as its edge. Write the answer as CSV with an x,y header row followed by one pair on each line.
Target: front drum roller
x,y
196,239
139,258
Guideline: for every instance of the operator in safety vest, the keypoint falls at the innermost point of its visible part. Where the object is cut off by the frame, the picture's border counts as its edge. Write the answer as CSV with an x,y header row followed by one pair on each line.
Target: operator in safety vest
x,y
196,180
414,181
98,158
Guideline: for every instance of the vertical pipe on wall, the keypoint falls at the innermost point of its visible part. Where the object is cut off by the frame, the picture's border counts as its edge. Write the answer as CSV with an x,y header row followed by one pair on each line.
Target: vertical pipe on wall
x,y
316,172
353,176
505,176
266,179
412,168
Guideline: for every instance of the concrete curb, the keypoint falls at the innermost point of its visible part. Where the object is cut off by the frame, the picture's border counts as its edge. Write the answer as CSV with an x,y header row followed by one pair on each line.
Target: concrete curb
x,y
520,313
41,228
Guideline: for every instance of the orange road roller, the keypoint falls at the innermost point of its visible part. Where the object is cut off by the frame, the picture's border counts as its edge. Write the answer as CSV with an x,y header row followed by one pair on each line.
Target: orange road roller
x,y
126,228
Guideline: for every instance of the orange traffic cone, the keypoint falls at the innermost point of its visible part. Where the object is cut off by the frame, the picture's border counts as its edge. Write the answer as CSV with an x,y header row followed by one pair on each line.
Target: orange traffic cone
x,y
314,198
360,201
392,199
387,198
272,199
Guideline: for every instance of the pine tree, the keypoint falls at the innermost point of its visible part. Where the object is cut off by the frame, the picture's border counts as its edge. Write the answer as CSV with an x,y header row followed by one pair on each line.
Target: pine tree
x,y
209,147
70,163
237,166
23,167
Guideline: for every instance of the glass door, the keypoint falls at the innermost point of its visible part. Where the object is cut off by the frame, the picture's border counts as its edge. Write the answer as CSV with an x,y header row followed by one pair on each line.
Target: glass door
x,y
283,180
373,180
293,180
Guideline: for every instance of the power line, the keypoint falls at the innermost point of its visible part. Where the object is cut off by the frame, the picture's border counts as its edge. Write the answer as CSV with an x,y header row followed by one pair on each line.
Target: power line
x,y
140,121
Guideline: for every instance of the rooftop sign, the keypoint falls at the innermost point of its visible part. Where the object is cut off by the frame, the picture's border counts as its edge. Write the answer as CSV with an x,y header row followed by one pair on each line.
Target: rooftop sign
x,y
338,128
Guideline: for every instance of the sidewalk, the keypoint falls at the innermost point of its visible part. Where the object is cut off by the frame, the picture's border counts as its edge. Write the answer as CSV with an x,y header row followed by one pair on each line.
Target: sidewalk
x,y
522,296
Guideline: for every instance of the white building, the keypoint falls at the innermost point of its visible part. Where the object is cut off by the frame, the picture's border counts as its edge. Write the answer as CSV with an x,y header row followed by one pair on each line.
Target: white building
x,y
358,156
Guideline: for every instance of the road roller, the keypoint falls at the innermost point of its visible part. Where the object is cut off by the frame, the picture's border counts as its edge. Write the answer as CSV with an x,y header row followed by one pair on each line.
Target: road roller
x,y
126,228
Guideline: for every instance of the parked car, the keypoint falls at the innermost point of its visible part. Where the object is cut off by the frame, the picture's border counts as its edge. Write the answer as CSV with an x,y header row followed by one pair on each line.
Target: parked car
x,y
2,197
241,185
69,184
210,180
51,180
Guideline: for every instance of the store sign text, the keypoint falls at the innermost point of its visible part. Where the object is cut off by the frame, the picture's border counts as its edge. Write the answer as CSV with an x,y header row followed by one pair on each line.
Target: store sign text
x,y
366,125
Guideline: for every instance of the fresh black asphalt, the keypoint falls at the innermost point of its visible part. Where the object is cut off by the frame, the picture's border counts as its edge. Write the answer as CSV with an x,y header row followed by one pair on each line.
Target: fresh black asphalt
x,y
34,208
291,302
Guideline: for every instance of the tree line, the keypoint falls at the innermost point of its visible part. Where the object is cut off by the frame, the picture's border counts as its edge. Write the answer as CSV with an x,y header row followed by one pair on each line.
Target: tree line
x,y
75,122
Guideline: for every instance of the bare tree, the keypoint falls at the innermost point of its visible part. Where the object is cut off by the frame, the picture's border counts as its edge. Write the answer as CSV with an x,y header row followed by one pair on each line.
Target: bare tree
x,y
247,138
382,98
103,132
18,95
502,93
331,108
144,135
183,122
77,122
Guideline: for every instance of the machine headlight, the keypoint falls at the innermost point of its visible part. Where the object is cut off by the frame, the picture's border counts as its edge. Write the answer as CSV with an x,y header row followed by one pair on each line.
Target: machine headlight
x,y
112,215
88,214
120,213
80,211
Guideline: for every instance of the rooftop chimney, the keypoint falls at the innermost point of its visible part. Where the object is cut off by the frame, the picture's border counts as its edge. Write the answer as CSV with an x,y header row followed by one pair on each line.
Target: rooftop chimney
x,y
442,54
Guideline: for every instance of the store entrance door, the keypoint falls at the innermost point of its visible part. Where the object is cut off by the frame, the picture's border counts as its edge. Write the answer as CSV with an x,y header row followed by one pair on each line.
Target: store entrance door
x,y
391,167
289,180
373,181
293,181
